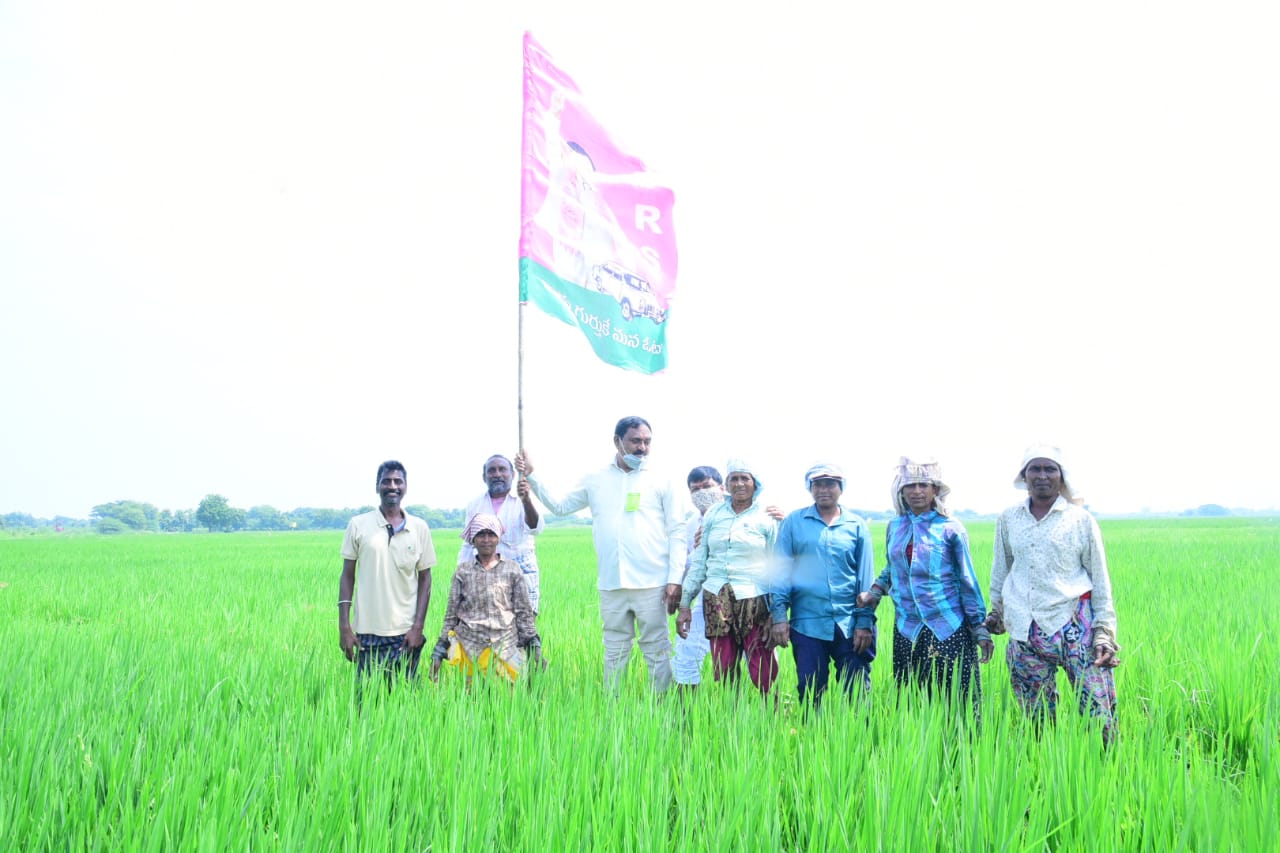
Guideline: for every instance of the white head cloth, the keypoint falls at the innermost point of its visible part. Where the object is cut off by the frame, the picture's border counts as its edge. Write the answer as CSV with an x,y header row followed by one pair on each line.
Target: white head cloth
x,y
1054,455
735,465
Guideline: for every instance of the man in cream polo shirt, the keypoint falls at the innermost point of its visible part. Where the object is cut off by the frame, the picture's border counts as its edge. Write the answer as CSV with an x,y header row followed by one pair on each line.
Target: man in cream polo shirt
x,y
383,605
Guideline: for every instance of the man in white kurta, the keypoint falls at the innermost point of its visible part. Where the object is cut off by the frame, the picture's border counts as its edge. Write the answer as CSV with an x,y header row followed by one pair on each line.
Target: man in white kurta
x,y
638,528
520,519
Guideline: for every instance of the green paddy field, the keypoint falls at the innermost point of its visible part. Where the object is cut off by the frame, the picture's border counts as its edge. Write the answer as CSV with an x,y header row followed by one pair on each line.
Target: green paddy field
x,y
187,692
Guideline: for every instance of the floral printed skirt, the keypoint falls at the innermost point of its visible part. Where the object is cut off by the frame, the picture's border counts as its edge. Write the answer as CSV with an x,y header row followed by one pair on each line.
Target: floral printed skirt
x,y
729,616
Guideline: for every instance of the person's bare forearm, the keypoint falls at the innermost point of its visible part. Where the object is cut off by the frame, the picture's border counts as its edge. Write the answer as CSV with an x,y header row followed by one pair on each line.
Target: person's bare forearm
x,y
346,590
424,599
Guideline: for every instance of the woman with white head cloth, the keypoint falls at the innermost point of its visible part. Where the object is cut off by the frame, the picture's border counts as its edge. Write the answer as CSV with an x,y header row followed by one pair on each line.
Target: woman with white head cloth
x,y
1051,590
730,569
938,606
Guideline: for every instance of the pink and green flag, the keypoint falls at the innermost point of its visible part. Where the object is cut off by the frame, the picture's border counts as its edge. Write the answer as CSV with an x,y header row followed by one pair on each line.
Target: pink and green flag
x,y
597,248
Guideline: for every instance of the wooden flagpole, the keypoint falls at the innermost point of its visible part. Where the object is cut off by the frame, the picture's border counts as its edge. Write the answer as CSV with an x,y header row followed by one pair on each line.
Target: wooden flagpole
x,y
520,379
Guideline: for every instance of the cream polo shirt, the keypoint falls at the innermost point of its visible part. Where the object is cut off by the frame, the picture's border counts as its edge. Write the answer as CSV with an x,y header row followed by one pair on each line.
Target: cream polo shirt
x,y
1041,568
387,568
637,524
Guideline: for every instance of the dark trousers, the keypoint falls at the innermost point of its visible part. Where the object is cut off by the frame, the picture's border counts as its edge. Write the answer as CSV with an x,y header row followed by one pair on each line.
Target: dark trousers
x,y
932,664
813,664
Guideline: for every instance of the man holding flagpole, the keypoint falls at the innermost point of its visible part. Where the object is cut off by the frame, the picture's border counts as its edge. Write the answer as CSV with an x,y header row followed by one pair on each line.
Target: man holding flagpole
x,y
638,529
520,522
598,252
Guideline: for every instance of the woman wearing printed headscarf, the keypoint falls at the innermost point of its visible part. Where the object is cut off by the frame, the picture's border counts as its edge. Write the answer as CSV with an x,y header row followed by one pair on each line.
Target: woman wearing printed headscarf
x,y
488,623
730,569
939,611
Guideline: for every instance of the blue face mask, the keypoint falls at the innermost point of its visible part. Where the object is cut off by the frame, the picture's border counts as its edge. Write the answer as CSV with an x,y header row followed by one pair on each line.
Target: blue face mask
x,y
635,463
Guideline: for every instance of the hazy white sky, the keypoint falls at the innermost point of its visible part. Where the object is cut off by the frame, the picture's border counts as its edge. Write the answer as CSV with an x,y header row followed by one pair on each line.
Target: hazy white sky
x,y
255,248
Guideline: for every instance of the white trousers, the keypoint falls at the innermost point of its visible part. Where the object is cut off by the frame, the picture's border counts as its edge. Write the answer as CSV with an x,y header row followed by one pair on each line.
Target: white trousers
x,y
627,613
691,651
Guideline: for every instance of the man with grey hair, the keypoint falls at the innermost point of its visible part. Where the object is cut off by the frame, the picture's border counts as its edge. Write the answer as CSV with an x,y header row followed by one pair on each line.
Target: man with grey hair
x,y
520,518
638,529
1050,589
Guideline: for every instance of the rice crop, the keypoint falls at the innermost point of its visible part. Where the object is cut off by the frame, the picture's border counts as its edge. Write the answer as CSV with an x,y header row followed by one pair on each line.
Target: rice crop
x,y
187,692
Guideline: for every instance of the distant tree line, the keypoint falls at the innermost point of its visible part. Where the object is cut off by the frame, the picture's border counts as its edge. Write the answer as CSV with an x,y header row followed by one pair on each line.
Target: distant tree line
x,y
215,514
25,521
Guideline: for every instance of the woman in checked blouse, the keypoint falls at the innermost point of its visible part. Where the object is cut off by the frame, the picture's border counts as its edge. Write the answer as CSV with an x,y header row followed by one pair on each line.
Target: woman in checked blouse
x,y
488,623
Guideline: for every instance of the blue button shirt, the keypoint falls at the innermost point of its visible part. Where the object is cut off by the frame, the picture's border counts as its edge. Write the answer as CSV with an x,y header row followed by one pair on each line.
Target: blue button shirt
x,y
936,588
821,570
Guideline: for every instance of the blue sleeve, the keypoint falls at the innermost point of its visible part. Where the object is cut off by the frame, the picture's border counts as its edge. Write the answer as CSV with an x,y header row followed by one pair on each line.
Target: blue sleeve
x,y
782,563
864,617
971,601
883,580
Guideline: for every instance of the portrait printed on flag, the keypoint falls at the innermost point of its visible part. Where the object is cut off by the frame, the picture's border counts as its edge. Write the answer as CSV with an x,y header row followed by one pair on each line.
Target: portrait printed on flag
x,y
593,218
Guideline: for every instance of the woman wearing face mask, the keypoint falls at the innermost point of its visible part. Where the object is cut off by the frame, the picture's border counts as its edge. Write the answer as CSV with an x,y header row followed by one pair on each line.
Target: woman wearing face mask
x,y
730,570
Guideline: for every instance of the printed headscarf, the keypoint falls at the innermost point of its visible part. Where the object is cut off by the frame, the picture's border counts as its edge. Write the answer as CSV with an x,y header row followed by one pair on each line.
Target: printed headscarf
x,y
910,471
482,521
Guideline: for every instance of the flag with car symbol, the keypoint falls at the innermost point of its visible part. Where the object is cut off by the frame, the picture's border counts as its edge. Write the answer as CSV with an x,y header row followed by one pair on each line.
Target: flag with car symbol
x,y
597,247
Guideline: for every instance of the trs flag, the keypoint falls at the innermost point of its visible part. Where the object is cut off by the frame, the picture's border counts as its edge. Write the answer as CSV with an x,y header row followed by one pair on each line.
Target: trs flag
x,y
597,249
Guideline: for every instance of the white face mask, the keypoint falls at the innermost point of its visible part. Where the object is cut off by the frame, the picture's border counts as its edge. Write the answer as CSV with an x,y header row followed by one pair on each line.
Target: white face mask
x,y
705,499
635,463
